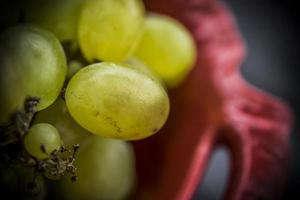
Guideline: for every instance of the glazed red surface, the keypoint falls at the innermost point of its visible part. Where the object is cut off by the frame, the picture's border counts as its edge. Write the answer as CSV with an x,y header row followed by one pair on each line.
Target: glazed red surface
x,y
214,107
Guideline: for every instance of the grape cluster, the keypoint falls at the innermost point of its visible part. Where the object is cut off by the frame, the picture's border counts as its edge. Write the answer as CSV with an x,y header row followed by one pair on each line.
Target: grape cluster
x,y
100,71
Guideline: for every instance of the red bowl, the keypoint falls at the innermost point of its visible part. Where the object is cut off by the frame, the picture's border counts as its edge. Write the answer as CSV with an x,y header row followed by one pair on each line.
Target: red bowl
x,y
214,107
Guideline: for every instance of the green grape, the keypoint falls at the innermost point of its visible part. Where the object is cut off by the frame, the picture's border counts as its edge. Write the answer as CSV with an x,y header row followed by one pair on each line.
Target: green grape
x,y
32,64
73,67
114,101
57,16
109,30
105,170
58,115
39,135
168,48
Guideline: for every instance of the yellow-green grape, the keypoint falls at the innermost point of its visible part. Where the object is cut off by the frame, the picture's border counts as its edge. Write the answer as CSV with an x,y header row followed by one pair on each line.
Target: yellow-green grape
x,y
105,170
109,30
32,64
58,115
114,101
41,136
57,16
168,48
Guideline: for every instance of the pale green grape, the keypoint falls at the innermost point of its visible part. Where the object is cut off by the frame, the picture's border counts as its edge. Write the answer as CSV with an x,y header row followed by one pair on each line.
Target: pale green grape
x,y
168,48
57,16
112,100
58,115
39,135
105,170
109,30
32,64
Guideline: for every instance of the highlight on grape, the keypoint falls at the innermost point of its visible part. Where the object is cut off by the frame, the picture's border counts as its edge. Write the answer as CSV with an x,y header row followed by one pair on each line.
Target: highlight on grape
x,y
79,80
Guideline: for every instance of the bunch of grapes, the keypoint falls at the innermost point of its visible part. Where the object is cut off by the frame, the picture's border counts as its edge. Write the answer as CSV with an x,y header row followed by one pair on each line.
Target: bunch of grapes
x,y
87,76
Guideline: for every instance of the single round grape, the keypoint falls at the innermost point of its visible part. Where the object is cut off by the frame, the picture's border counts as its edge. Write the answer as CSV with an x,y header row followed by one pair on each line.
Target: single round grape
x,y
32,64
57,16
167,48
109,30
105,170
58,115
114,101
40,135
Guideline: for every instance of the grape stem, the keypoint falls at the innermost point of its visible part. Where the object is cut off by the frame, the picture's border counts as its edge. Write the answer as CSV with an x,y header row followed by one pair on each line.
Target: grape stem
x,y
15,131
12,149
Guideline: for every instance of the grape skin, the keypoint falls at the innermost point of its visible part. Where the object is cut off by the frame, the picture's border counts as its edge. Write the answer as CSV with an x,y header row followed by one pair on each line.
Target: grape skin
x,y
167,48
42,134
114,101
109,30
32,64
57,16
134,63
105,170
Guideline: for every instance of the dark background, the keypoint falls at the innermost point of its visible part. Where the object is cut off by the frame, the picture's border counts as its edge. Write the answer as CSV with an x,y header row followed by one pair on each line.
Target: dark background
x,y
270,30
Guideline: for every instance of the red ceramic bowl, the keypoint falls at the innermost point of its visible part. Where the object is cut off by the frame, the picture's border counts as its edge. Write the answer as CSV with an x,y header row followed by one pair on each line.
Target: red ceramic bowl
x,y
213,107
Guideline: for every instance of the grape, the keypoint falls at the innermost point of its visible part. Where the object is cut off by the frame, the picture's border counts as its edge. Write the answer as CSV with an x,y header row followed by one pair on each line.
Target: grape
x,y
58,115
168,48
39,135
105,170
114,101
57,16
109,30
32,64
136,64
